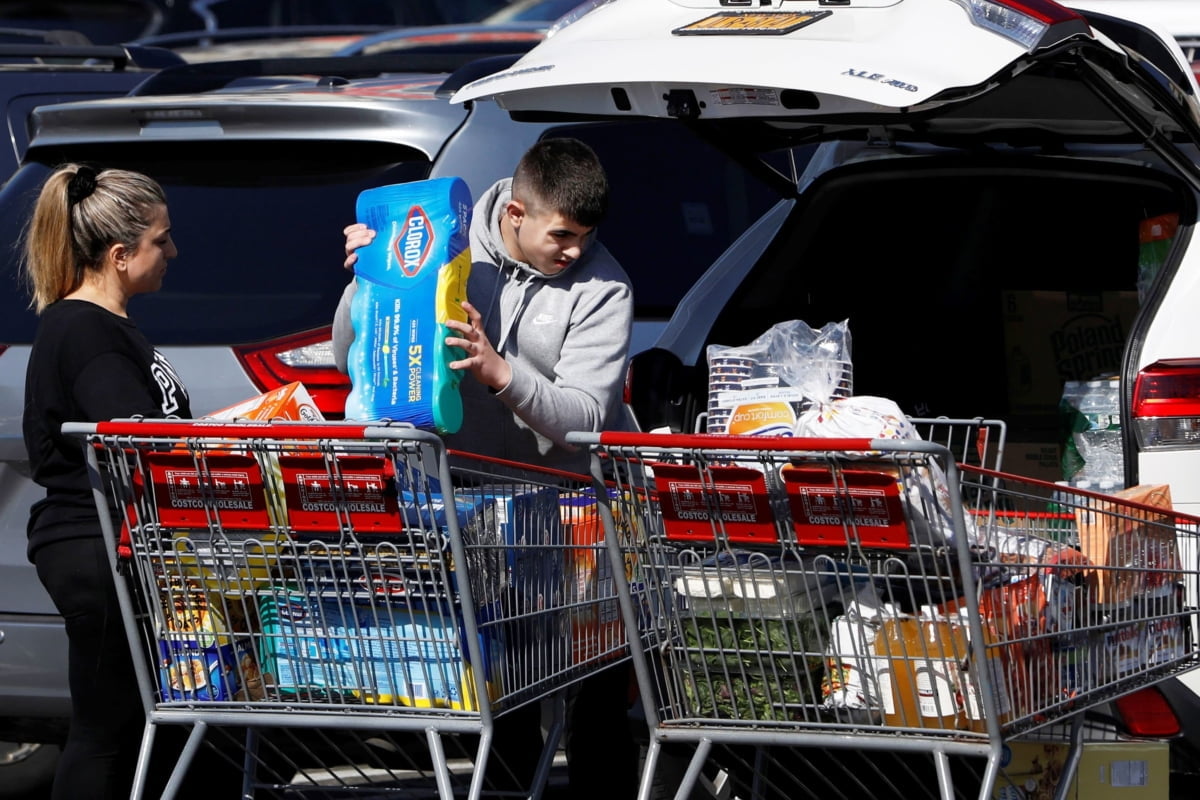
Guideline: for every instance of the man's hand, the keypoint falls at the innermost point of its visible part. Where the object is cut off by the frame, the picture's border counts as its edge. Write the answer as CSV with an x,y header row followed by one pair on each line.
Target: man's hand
x,y
357,235
482,361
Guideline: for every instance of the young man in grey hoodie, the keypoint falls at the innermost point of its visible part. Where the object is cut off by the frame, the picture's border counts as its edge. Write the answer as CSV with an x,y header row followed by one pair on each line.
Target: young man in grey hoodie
x,y
549,316
549,313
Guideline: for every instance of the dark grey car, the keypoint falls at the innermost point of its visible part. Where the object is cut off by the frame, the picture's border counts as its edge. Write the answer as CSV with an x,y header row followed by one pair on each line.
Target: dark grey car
x,y
261,179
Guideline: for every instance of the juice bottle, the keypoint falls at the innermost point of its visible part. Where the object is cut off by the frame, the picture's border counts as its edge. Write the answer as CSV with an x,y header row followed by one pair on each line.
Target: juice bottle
x,y
896,649
942,650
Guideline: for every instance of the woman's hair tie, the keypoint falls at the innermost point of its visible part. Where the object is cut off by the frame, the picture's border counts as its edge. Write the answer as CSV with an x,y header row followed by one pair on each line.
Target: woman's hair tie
x,y
81,185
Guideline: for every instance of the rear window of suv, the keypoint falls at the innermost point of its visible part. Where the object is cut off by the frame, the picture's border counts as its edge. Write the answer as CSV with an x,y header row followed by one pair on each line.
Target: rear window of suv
x,y
258,225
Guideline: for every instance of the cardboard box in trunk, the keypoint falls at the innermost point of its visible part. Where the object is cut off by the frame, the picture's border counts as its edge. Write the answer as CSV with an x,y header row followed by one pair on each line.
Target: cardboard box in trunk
x,y
1054,337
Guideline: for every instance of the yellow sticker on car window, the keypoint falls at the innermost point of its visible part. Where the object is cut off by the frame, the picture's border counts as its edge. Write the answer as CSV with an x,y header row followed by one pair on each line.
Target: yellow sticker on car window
x,y
737,23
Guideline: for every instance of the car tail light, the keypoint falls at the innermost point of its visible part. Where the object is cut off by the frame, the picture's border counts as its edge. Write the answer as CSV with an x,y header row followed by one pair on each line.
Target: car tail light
x,y
1029,23
306,357
1147,713
1166,405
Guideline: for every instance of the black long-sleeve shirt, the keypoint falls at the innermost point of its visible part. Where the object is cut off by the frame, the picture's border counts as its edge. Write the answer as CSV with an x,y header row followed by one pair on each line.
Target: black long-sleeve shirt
x,y
86,365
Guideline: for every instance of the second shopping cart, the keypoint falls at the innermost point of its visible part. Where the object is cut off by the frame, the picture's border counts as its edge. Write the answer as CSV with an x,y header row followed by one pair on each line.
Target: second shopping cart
x,y
327,598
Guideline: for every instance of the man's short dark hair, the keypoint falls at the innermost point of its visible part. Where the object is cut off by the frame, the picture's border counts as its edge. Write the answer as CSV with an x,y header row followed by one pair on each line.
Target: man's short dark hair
x,y
562,175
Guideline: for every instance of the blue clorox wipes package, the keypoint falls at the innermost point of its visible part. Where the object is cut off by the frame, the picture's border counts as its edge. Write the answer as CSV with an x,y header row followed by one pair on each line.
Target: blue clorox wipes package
x,y
411,280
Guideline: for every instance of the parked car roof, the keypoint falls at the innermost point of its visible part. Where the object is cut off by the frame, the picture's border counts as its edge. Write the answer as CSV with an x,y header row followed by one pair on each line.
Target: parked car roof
x,y
40,67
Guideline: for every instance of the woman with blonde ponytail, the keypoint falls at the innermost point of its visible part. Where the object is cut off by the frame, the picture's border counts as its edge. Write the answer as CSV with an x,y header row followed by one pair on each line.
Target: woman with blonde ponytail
x,y
96,238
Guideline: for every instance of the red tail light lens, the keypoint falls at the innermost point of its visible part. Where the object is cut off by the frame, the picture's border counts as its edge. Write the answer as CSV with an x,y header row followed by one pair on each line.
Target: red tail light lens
x,y
1166,405
1147,713
1029,23
306,357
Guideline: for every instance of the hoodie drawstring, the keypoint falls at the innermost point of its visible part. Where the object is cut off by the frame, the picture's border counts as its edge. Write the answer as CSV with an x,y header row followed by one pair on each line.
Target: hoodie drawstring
x,y
525,282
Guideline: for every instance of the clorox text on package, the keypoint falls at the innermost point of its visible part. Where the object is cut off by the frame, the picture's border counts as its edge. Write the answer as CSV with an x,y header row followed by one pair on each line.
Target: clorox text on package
x,y
411,280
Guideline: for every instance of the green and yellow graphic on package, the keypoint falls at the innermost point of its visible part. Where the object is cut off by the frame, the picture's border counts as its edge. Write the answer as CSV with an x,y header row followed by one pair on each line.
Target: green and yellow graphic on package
x,y
411,280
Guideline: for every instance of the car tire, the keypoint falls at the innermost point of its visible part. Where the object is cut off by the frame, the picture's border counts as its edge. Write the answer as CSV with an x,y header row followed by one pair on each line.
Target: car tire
x,y
26,768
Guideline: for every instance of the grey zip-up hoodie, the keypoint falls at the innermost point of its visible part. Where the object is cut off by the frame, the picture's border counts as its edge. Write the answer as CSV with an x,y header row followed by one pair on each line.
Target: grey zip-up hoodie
x,y
565,336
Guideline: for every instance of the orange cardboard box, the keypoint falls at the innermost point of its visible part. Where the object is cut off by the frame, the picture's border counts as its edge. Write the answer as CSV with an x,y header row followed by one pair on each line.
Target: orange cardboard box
x,y
1135,548
290,402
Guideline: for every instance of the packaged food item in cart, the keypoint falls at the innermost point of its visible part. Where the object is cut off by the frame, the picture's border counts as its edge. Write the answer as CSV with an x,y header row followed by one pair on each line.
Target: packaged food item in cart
x,y
289,402
198,657
1118,647
756,623
1005,631
530,525
531,563
998,676
1136,549
596,630
746,667
411,279
426,515
759,389
1165,641
1045,652
850,673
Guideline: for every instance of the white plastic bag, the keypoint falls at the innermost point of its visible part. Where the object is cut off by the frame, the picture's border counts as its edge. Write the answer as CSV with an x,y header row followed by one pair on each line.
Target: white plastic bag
x,y
850,660
923,485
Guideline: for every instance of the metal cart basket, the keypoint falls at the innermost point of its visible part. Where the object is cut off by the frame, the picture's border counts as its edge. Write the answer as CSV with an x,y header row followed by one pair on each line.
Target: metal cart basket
x,y
349,590
878,595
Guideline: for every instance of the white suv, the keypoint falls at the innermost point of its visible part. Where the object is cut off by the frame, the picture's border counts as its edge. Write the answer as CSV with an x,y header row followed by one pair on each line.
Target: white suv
x,y
1001,197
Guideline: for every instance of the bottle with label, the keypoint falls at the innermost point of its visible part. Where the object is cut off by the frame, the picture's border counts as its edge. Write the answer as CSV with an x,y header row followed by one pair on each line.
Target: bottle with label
x,y
937,674
897,647
1070,422
1099,443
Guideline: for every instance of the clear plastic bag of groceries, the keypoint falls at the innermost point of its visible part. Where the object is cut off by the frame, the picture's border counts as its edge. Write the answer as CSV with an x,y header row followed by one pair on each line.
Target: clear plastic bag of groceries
x,y
762,387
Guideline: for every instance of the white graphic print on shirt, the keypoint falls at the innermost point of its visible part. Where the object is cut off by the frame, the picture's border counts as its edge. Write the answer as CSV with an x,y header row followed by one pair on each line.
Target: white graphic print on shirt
x,y
168,381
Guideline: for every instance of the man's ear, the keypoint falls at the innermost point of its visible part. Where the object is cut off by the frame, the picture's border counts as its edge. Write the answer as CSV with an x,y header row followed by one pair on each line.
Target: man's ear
x,y
515,211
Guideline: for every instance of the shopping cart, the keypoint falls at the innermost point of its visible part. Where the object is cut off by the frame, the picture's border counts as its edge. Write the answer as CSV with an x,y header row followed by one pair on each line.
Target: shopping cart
x,y
329,596
878,596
